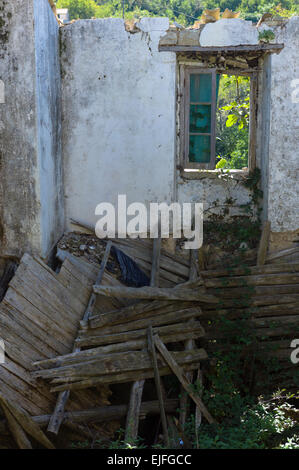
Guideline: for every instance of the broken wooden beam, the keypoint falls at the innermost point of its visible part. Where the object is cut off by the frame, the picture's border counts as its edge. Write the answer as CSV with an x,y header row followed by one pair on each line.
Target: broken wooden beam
x,y
57,417
26,423
264,243
103,413
155,293
152,350
176,369
82,383
179,329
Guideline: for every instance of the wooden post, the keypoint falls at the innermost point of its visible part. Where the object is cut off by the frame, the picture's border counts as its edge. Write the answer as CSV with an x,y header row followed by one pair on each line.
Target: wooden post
x,y
264,243
132,422
176,369
58,414
158,385
189,345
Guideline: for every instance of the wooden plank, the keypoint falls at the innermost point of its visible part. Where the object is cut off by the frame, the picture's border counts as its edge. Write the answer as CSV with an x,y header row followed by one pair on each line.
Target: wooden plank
x,y
223,49
126,377
71,304
19,387
154,293
264,243
103,413
136,311
116,363
250,291
38,318
110,349
18,397
57,417
169,266
172,316
27,423
132,422
37,294
255,280
245,271
256,301
154,282
189,345
16,429
172,329
174,366
277,255
152,351
22,333
36,291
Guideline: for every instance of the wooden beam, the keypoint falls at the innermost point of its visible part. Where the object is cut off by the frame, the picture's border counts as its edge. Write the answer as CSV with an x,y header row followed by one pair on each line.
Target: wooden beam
x,y
57,417
26,422
189,344
82,383
154,293
259,48
264,244
152,351
132,423
16,429
103,413
176,369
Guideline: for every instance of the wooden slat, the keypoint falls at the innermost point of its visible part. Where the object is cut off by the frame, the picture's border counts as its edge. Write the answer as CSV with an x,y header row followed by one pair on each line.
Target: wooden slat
x,y
116,363
153,293
245,271
264,244
126,377
174,366
172,329
165,317
57,417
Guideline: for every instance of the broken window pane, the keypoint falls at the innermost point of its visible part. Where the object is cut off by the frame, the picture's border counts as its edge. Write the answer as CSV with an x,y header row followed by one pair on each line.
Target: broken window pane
x,y
200,148
200,118
201,88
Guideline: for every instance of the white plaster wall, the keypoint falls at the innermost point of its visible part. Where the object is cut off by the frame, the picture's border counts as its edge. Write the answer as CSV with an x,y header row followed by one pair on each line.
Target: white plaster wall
x,y
48,102
229,32
31,217
20,228
283,182
118,115
119,100
214,189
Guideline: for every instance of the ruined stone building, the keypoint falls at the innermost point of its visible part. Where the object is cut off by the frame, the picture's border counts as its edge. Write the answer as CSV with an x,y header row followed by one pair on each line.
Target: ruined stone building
x,y
97,108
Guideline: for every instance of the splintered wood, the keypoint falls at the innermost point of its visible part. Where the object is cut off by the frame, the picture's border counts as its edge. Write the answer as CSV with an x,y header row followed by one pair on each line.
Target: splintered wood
x,y
66,332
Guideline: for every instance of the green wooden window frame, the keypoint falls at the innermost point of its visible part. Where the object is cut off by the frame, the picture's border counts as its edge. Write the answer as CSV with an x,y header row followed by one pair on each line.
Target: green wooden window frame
x,y
199,118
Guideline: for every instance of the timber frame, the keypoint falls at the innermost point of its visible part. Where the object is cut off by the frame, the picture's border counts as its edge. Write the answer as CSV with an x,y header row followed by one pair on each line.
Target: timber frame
x,y
184,73
237,60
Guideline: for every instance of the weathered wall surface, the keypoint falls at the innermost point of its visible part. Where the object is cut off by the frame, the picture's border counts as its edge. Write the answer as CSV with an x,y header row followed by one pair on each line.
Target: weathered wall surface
x,y
118,114
120,117
283,181
19,194
29,135
48,102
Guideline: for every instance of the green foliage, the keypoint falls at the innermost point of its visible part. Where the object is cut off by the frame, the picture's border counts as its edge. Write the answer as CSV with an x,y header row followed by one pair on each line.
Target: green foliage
x,y
249,426
79,8
266,36
232,125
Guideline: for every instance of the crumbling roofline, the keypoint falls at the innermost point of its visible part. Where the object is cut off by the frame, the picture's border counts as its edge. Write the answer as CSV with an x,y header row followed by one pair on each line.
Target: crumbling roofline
x,y
275,48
